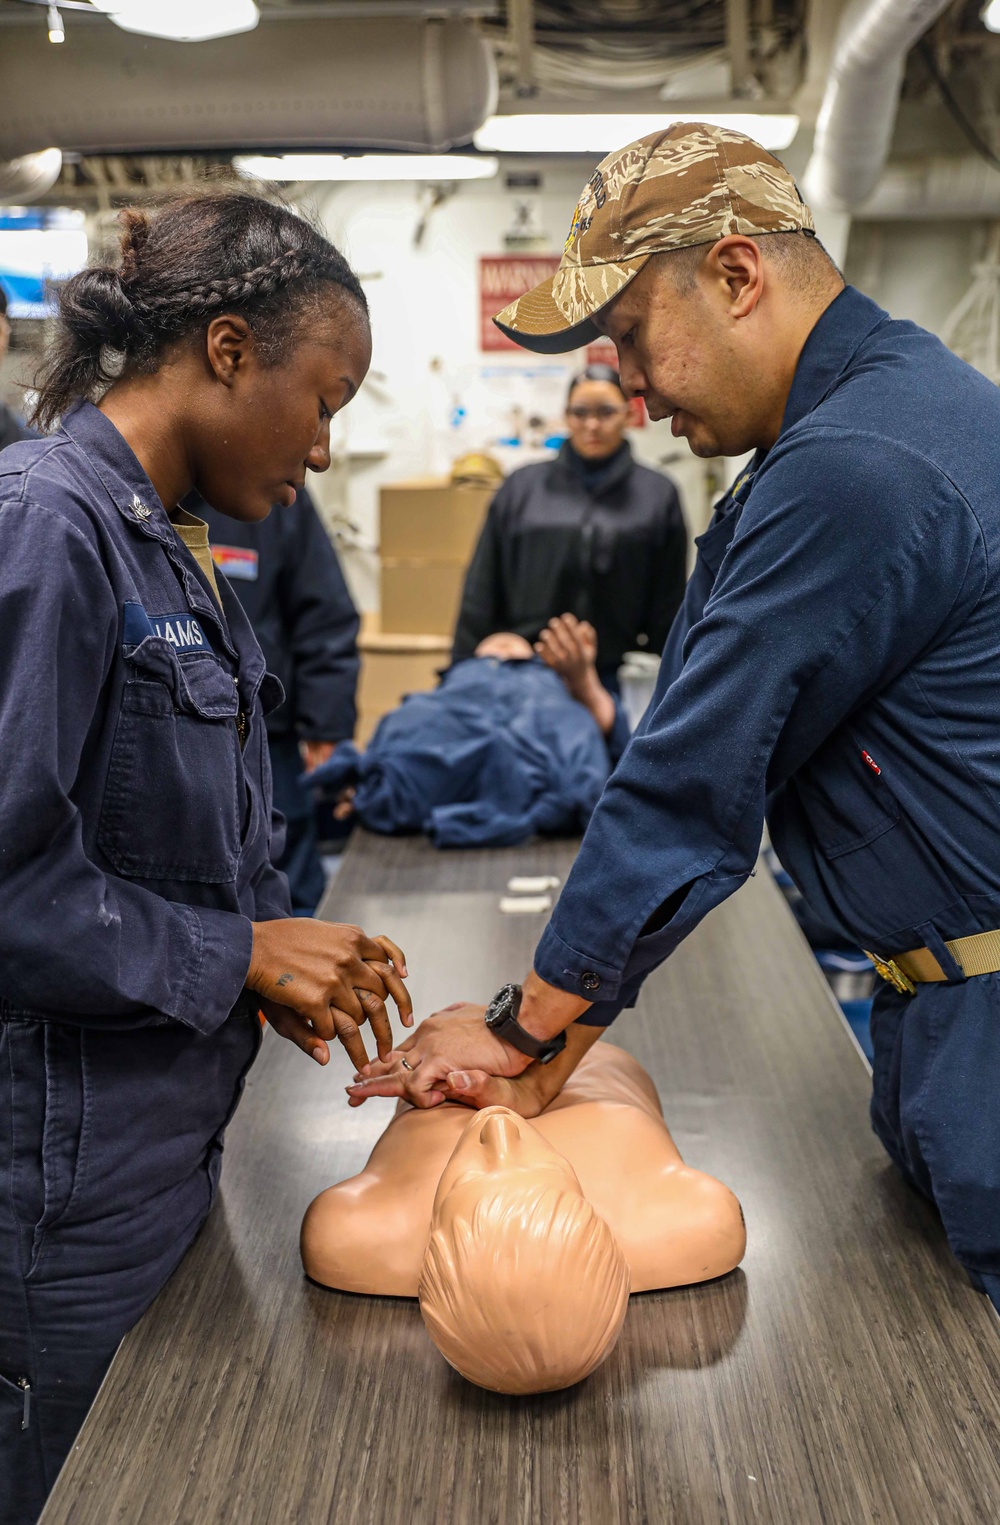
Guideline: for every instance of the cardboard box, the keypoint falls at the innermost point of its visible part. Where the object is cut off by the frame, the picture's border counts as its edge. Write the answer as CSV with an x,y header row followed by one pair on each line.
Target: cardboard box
x,y
391,667
420,597
430,520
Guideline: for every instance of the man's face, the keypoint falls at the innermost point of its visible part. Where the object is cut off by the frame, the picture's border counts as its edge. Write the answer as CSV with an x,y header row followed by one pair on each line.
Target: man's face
x,y
679,349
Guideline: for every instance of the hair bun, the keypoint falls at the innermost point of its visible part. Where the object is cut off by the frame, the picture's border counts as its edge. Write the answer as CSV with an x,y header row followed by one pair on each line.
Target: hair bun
x,y
96,309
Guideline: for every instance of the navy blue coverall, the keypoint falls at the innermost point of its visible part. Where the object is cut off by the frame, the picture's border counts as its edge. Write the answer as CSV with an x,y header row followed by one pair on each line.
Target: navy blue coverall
x,y
836,665
286,575
134,854
498,752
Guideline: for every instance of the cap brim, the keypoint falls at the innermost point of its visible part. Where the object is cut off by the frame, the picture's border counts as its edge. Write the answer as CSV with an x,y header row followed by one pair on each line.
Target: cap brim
x,y
558,314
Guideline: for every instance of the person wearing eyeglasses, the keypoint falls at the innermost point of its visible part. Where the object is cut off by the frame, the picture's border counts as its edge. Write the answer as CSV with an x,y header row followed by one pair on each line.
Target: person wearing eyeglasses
x,y
591,533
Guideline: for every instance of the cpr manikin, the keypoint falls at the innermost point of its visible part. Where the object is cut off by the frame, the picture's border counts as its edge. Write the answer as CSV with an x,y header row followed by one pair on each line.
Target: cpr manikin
x,y
523,1239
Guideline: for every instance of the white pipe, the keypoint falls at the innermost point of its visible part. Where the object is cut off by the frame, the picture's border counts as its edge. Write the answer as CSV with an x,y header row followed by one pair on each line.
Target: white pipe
x,y
855,123
934,189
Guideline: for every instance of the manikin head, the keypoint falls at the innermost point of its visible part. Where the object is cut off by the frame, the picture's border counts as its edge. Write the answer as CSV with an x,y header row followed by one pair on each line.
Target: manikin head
x,y
523,1288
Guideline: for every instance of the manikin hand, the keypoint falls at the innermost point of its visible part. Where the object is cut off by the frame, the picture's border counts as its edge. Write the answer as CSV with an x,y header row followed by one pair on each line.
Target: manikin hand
x,y
321,980
569,647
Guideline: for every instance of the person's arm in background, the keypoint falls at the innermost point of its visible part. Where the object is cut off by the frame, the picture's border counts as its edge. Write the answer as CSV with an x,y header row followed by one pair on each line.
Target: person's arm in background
x,y
569,647
667,571
322,625
483,607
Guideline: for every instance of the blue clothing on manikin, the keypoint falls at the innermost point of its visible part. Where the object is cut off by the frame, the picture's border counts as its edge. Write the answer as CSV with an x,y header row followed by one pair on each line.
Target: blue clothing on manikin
x,y
135,829
285,573
496,754
836,664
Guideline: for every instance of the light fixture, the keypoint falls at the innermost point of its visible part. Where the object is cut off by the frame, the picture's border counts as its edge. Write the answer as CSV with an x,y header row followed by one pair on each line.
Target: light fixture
x,y
601,133
56,32
182,20
991,16
368,167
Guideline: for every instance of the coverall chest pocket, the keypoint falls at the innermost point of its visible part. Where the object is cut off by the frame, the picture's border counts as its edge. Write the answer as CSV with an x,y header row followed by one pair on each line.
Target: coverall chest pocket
x,y
171,803
846,799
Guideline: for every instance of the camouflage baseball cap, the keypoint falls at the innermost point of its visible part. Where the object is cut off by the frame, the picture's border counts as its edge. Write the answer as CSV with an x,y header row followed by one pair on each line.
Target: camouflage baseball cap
x,y
690,184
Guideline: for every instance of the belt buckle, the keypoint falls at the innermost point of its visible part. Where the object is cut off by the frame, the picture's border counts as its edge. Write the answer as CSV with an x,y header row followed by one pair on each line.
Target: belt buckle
x,y
892,974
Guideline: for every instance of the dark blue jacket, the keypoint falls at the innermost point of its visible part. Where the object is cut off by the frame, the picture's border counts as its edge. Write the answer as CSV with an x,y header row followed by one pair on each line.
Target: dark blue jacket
x,y
286,575
837,663
497,753
134,828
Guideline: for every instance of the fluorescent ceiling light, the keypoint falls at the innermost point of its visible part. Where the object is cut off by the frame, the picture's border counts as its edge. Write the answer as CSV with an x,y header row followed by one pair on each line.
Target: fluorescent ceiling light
x,y
368,167
182,20
600,133
991,16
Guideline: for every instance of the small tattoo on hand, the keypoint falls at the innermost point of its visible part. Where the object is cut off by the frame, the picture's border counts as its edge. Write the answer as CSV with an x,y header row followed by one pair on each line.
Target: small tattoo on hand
x,y
285,979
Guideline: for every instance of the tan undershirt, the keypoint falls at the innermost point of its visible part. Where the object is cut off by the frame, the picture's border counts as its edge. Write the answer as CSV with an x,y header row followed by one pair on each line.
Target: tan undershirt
x,y
193,533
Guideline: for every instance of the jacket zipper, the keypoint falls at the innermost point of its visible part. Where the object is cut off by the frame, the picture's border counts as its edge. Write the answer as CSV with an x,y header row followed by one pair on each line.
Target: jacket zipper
x,y
25,1386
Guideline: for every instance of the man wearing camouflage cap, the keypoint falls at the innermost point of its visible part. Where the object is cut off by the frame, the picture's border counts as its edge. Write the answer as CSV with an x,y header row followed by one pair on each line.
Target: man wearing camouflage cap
x,y
835,664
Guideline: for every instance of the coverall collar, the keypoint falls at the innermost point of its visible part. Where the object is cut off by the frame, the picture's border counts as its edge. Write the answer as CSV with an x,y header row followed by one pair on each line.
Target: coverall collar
x,y
829,350
136,499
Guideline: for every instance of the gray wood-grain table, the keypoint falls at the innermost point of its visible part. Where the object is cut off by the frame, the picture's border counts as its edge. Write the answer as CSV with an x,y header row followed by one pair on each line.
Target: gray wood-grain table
x,y
846,1373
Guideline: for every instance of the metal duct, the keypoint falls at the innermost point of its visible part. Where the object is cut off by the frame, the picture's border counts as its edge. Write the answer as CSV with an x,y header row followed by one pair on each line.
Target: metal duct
x,y
26,179
928,190
855,123
400,84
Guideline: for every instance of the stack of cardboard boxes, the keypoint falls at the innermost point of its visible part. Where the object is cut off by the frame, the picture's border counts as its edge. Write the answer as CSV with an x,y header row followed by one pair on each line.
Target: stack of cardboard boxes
x,y
427,534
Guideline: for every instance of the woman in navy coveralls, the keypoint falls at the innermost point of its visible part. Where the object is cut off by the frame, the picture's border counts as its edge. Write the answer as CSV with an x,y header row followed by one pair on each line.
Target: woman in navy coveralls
x,y
142,925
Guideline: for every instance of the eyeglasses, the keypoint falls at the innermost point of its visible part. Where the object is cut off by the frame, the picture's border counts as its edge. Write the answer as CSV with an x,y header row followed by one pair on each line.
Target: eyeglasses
x,y
603,414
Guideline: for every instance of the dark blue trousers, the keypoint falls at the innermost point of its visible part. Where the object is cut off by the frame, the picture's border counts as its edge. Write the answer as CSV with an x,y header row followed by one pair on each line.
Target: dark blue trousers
x,y
934,1106
110,1151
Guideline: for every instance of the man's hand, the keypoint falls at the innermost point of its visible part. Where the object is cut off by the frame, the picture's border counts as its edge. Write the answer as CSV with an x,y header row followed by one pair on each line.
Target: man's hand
x,y
454,1039
528,1093
321,980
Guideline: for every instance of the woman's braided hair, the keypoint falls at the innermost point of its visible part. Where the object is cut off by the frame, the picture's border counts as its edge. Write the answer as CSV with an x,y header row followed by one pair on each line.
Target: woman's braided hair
x,y
198,255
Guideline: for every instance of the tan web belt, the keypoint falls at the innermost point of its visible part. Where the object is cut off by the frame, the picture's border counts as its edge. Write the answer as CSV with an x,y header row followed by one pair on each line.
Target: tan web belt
x,y
978,954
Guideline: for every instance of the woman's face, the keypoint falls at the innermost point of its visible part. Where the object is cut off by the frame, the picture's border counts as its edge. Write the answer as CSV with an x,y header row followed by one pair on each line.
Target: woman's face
x,y
596,416
270,424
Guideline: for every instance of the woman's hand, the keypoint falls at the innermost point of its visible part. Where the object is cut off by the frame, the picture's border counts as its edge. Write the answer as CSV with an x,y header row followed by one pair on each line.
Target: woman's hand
x,y
321,980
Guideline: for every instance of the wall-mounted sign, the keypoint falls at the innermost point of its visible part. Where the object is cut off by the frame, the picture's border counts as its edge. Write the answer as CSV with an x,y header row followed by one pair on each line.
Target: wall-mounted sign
x,y
502,277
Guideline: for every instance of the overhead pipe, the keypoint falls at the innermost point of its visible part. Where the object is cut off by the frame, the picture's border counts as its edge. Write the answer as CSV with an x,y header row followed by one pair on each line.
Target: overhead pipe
x,y
858,112
415,84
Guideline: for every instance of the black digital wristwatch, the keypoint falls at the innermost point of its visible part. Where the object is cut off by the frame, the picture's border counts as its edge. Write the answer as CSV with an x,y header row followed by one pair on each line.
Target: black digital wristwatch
x,y
501,1018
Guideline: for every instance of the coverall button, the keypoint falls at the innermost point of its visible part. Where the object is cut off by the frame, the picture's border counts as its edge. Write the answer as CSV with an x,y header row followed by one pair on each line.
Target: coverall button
x,y
589,980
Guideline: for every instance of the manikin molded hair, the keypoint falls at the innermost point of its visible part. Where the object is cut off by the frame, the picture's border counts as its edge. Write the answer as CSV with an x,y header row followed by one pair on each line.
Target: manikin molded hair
x,y
197,255
526,1293
595,372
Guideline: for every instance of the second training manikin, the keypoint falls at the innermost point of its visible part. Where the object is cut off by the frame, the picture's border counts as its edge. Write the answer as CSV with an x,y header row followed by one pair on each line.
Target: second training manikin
x,y
524,1239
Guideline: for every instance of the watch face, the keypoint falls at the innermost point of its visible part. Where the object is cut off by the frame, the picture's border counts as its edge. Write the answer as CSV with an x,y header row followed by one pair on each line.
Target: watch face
x,y
499,1008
